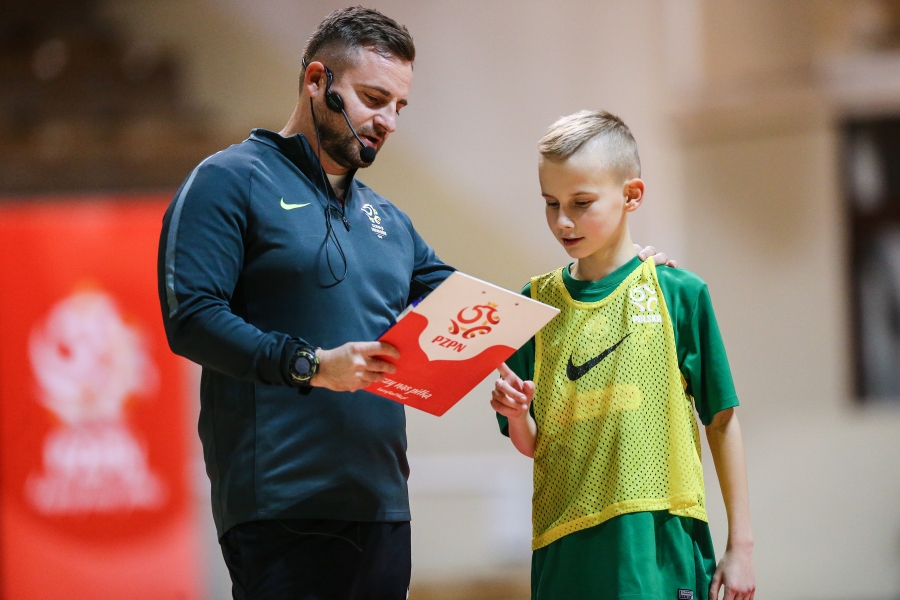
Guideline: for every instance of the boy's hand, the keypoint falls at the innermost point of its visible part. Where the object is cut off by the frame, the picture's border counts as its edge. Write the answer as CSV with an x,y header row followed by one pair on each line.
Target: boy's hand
x,y
735,573
660,258
511,396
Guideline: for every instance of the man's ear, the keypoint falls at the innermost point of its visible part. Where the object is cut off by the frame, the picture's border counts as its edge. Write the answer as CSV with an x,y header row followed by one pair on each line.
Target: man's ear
x,y
314,79
633,191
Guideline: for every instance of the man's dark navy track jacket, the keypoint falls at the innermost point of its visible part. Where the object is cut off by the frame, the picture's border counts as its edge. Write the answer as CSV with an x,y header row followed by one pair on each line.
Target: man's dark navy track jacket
x,y
243,273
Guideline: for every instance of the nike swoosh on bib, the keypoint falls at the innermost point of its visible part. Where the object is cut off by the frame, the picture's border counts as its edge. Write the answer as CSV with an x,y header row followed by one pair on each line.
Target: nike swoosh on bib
x,y
575,373
292,206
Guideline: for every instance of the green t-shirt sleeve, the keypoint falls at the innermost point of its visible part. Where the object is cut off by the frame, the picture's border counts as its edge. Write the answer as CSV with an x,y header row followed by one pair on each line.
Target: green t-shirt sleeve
x,y
701,351
522,364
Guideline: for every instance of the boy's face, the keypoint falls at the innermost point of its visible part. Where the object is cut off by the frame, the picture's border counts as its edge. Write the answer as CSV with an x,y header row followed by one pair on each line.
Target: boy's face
x,y
587,204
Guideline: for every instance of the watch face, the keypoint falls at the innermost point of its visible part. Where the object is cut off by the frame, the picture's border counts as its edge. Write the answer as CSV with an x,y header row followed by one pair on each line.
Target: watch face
x,y
302,365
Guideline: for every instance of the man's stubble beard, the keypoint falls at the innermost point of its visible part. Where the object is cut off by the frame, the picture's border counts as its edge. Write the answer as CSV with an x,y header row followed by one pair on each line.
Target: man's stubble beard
x,y
338,143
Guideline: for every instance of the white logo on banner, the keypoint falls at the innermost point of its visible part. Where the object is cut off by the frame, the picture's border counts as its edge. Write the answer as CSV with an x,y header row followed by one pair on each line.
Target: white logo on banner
x,y
88,362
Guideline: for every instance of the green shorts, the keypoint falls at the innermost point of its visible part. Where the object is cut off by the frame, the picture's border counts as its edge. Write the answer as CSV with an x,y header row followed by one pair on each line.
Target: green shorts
x,y
638,556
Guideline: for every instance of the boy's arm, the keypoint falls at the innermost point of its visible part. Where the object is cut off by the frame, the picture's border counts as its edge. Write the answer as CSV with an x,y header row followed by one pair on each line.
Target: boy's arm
x,y
735,570
511,398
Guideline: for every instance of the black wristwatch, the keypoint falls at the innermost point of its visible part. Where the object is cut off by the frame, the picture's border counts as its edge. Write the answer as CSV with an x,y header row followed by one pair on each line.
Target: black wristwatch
x,y
304,364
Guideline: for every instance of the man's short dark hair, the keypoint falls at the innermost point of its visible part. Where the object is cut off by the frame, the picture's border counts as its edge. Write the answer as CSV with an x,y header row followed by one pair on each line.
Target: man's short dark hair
x,y
348,30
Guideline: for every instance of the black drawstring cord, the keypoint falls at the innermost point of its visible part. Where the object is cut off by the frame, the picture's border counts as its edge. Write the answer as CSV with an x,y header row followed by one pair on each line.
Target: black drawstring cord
x,y
330,235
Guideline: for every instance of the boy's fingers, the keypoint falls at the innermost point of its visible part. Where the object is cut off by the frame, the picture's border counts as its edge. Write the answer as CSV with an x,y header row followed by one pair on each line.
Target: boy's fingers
x,y
504,387
509,375
506,406
499,408
506,399
501,397
528,388
714,586
509,413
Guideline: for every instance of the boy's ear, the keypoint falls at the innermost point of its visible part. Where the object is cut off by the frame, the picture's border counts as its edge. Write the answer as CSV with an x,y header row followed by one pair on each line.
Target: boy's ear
x,y
634,193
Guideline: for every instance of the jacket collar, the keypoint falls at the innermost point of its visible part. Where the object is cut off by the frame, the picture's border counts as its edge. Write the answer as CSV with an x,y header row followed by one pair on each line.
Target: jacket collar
x,y
296,149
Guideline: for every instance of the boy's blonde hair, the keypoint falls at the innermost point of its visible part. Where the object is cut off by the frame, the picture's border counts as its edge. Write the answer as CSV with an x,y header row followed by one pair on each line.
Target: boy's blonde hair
x,y
608,132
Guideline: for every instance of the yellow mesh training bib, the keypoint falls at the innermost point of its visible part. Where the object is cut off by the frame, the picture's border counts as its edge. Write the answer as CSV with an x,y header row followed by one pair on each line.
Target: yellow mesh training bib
x,y
616,431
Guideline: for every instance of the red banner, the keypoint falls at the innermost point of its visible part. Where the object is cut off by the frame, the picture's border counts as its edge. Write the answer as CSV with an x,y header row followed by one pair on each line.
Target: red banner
x,y
95,498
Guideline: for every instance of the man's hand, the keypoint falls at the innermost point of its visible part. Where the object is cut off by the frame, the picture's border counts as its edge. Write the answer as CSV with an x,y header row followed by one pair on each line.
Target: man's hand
x,y
660,258
511,396
353,366
735,573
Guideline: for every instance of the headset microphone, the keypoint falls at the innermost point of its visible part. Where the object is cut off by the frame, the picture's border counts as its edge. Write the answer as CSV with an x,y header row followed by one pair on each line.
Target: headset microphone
x,y
334,101
366,153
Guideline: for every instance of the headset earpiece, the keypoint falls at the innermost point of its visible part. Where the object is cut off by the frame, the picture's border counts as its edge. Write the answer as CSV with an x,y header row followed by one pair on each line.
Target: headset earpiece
x,y
333,100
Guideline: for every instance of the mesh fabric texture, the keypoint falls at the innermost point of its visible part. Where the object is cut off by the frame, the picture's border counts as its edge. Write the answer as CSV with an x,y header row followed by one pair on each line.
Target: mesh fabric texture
x,y
616,430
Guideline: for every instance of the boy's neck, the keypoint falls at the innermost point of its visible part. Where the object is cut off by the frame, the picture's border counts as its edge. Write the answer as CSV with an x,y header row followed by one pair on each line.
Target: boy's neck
x,y
603,262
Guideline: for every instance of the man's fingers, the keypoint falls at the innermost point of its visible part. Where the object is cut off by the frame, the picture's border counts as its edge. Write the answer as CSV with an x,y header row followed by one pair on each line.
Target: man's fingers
x,y
647,252
380,366
370,377
376,349
660,258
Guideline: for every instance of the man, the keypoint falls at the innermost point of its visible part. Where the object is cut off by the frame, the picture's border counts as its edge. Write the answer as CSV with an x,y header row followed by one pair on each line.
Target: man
x,y
276,268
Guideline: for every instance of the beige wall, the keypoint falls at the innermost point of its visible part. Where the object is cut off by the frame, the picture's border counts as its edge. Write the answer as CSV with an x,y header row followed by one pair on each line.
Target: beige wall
x,y
739,155
764,227
765,232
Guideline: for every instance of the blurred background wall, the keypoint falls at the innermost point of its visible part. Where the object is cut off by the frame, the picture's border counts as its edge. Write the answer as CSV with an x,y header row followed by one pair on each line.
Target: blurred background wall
x,y
740,110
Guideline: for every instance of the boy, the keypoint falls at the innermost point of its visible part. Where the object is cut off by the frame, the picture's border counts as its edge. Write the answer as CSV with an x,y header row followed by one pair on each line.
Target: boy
x,y
619,506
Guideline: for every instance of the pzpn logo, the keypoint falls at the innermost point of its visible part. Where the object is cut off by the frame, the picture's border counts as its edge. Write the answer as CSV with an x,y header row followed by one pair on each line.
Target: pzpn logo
x,y
468,325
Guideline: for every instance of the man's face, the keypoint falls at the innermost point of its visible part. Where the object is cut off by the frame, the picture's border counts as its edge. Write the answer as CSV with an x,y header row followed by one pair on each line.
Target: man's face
x,y
374,89
586,204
